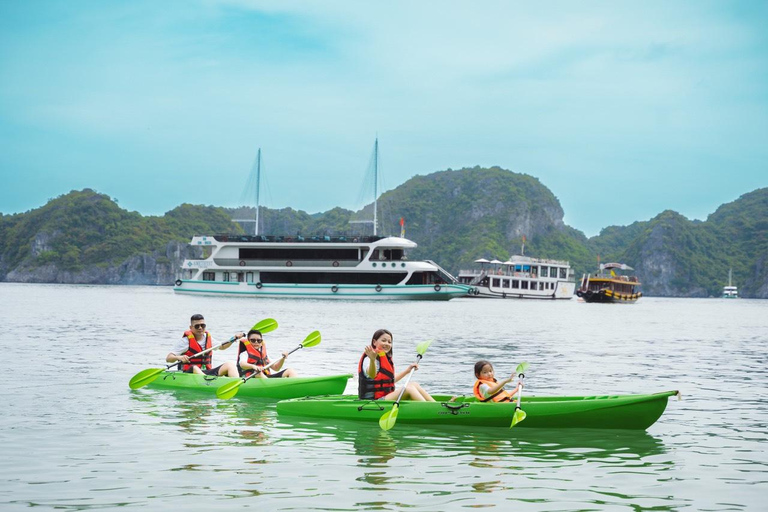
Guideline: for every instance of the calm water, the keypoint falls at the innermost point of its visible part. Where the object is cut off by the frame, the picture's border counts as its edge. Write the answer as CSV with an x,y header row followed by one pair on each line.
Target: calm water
x,y
76,438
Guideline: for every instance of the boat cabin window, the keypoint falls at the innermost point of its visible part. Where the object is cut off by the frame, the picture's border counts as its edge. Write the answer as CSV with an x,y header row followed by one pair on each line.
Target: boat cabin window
x,y
298,253
524,285
496,282
331,278
515,283
544,271
534,270
209,276
226,277
505,283
563,273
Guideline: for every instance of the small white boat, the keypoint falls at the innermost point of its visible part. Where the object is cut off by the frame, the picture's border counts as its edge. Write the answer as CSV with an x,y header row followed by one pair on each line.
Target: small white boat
x,y
520,277
730,291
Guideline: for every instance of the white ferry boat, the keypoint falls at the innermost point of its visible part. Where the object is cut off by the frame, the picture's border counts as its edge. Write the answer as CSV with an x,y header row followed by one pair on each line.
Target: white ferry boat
x,y
361,267
520,277
730,291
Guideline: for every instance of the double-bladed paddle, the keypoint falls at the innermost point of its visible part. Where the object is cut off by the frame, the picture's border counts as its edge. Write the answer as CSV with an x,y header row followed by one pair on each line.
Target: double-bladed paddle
x,y
144,377
389,418
230,389
519,414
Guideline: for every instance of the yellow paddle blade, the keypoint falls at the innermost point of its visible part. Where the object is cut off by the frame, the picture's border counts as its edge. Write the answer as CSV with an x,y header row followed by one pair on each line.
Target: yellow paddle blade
x,y
266,325
229,389
389,418
422,347
311,340
517,417
144,377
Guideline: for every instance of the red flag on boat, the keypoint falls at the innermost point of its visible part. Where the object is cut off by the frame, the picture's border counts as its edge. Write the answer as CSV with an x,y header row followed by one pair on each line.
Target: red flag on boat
x,y
402,227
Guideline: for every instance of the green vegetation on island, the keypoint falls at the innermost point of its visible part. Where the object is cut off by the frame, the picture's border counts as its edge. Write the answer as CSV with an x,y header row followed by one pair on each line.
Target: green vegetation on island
x,y
455,216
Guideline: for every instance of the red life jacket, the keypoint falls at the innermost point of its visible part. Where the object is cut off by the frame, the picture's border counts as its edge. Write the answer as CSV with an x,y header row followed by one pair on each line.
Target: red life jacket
x,y
256,356
204,361
500,396
381,385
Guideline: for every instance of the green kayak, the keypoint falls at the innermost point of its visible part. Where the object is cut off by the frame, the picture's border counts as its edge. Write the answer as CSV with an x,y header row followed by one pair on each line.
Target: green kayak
x,y
635,412
260,388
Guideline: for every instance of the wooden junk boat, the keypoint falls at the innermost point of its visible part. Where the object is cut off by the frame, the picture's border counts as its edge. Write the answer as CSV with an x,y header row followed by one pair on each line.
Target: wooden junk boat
x,y
609,285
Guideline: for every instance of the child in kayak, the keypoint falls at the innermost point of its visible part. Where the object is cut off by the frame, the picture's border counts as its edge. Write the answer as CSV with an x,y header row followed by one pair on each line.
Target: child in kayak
x,y
487,388
376,373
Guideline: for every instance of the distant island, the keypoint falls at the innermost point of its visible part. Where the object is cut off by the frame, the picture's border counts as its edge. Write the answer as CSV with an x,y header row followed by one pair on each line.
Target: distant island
x,y
456,217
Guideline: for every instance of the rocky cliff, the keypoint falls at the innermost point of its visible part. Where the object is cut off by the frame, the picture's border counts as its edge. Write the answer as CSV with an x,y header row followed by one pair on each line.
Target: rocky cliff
x,y
454,216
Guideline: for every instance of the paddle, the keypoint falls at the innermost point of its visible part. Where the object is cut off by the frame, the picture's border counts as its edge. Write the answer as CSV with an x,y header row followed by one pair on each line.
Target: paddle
x,y
519,414
144,377
230,389
389,418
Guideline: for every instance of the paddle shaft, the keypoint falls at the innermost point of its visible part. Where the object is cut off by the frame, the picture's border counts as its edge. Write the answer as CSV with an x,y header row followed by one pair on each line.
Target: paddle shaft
x,y
519,391
177,363
407,380
271,365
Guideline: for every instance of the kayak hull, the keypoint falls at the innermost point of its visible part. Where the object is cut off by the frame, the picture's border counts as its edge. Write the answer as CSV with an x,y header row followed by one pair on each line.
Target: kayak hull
x,y
278,388
631,412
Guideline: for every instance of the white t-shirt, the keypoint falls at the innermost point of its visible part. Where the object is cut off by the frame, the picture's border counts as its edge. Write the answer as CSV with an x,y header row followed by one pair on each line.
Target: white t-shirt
x,y
182,344
485,390
367,363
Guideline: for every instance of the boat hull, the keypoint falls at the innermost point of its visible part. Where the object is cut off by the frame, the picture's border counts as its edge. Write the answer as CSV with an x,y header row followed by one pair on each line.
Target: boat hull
x,y
609,297
324,291
563,291
278,388
630,412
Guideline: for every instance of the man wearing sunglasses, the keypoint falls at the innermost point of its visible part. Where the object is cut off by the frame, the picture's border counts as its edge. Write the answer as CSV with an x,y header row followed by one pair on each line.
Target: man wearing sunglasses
x,y
258,360
197,340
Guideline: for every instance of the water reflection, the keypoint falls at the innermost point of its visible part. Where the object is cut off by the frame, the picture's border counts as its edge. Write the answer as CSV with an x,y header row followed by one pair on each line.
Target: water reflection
x,y
242,423
487,448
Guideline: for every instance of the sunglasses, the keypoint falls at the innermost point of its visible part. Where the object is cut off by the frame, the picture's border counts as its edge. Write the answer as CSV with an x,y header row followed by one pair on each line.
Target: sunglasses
x,y
256,340
199,326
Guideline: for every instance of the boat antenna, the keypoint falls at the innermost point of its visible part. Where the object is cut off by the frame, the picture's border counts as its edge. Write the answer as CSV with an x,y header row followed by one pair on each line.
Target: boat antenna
x,y
522,248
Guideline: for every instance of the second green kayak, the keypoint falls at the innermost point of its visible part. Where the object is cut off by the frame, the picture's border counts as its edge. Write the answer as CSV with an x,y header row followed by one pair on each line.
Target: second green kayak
x,y
260,388
632,412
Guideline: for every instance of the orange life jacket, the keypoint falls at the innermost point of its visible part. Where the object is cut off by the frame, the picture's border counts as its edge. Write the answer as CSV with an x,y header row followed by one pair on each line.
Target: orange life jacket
x,y
381,385
500,396
203,361
256,356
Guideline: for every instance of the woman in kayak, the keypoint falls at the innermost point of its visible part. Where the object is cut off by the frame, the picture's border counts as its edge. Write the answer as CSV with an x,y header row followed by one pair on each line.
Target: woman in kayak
x,y
258,359
487,388
376,373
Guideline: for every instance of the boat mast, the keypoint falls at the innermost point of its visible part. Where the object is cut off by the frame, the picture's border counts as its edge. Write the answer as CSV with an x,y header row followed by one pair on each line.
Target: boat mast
x,y
258,187
375,184
729,276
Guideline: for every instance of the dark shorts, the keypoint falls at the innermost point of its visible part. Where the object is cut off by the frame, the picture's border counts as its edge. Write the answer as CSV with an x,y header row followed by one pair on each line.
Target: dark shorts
x,y
209,371
271,375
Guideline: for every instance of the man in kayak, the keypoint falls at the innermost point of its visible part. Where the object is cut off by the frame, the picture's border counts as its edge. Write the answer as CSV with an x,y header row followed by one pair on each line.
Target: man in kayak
x,y
197,340
258,360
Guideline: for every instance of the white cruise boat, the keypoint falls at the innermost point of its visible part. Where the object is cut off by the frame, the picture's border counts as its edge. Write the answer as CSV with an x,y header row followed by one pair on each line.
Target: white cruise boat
x,y
730,291
361,267
521,277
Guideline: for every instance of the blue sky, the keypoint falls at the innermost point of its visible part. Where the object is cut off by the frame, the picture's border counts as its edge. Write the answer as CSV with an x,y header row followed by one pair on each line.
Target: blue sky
x,y
622,109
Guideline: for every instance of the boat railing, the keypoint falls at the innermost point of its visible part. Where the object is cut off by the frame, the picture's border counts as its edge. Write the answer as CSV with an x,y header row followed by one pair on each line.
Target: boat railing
x,y
234,262
296,238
